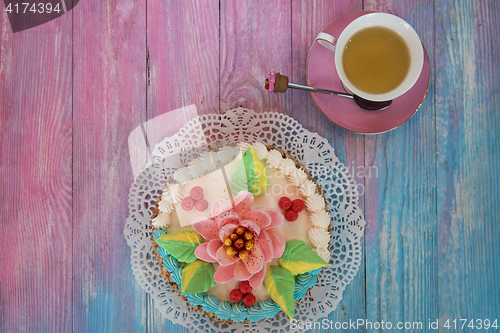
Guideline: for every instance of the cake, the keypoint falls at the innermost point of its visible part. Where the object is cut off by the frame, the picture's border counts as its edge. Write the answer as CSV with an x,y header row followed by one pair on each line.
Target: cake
x,y
242,232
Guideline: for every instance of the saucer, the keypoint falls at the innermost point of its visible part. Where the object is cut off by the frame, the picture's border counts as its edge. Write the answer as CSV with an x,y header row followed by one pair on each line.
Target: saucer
x,y
321,73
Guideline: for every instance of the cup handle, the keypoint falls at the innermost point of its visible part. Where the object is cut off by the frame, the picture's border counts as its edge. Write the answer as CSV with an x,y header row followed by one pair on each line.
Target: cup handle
x,y
326,40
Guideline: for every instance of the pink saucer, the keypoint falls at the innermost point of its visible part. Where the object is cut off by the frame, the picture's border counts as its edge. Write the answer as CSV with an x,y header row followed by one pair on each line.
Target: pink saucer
x,y
321,73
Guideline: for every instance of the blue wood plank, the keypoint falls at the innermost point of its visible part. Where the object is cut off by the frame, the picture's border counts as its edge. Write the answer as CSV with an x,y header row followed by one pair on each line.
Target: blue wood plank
x,y
400,206
468,142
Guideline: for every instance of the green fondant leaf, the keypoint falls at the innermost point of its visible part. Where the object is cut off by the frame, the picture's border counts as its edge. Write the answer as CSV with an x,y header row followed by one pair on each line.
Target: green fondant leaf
x,y
181,245
250,175
280,285
197,277
298,258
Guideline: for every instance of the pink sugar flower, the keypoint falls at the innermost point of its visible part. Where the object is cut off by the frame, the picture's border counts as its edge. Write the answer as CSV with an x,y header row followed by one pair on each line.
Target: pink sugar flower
x,y
240,240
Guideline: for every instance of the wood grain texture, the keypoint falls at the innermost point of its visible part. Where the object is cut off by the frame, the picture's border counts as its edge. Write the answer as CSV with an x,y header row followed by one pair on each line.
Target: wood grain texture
x,y
308,19
72,90
400,202
183,69
109,102
255,39
467,86
35,183
183,56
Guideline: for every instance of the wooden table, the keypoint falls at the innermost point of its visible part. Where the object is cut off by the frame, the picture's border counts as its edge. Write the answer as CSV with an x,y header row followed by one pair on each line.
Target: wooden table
x,y
74,89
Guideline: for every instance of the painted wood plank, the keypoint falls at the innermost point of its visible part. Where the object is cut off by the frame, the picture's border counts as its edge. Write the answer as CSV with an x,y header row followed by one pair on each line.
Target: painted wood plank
x,y
309,18
255,39
468,100
183,70
35,183
109,50
183,56
400,203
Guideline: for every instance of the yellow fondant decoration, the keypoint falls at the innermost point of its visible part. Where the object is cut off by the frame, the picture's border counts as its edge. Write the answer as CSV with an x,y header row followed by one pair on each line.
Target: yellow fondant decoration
x,y
197,277
280,285
181,245
298,258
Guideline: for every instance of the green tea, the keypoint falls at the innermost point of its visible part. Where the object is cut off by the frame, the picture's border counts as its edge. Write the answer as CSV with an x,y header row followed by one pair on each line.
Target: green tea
x,y
376,60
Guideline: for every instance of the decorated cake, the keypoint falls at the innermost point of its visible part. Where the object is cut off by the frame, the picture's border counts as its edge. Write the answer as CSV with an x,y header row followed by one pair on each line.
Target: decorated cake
x,y
242,232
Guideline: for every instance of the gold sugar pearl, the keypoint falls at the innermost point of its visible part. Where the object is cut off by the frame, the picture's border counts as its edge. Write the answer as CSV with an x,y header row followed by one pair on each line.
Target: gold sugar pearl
x,y
231,251
249,245
240,231
233,237
243,254
239,243
228,242
248,235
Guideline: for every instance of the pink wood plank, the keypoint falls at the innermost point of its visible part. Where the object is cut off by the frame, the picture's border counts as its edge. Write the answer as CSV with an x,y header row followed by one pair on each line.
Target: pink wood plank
x,y
183,57
183,70
109,102
35,183
309,18
255,39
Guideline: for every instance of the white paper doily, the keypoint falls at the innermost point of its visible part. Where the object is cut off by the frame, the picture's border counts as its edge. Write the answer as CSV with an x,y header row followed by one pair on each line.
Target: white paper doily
x,y
280,131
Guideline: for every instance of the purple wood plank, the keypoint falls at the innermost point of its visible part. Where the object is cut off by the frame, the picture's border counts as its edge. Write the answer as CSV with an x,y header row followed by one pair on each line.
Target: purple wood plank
x,y
183,70
35,183
400,206
309,18
109,102
255,39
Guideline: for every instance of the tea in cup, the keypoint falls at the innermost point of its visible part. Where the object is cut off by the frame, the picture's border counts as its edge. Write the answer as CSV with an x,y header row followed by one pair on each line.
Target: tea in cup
x,y
378,56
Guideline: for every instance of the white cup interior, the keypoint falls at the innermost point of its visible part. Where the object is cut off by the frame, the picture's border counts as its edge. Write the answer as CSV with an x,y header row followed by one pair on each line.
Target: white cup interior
x,y
402,28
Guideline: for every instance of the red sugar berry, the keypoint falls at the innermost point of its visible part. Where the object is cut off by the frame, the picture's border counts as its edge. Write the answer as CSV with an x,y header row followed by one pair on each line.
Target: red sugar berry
x,y
245,287
201,205
249,299
284,203
187,203
298,205
235,295
196,193
291,215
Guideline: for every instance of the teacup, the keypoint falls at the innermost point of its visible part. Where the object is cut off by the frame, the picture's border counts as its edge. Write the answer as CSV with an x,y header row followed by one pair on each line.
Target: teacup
x,y
378,56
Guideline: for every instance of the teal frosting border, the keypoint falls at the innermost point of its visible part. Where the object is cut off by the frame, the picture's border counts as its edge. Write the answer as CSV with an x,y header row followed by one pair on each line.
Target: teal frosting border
x,y
236,311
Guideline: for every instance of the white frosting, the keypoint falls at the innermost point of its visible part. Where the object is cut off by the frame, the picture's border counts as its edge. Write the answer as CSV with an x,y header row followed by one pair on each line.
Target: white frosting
x,y
166,192
208,160
323,253
196,168
297,177
166,205
315,203
319,237
287,166
321,220
227,153
244,146
182,175
177,199
274,158
307,188
162,220
260,149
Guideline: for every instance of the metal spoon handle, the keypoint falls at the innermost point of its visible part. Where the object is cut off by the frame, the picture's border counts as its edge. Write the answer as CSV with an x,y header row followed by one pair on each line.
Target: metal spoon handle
x,y
323,91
